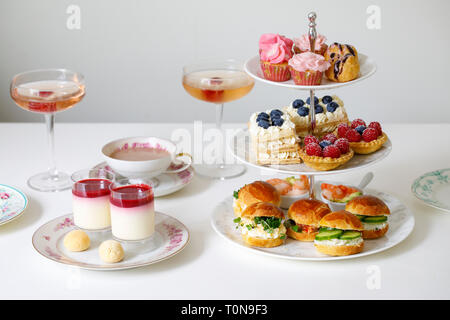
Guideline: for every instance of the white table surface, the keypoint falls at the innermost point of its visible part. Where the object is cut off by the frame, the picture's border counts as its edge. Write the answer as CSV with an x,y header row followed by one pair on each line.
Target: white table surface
x,y
209,267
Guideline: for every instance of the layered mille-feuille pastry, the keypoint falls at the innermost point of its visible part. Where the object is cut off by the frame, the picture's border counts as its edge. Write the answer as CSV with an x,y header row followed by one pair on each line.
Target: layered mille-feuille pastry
x,y
330,112
273,139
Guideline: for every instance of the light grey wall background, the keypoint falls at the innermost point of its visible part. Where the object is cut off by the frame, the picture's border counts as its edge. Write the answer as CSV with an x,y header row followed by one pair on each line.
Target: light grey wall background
x,y
132,52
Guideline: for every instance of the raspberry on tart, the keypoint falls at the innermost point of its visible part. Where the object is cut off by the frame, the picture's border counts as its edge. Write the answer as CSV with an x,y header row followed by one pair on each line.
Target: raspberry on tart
x,y
310,138
342,130
343,145
330,137
357,122
370,134
313,149
377,126
325,155
331,151
353,136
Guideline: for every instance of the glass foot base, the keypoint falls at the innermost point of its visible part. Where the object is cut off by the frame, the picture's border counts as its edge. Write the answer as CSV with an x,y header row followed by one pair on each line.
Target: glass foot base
x,y
50,183
220,172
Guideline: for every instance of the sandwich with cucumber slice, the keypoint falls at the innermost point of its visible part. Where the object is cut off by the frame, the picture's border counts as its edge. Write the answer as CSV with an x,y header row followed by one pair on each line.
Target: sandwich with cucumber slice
x,y
304,216
340,234
373,213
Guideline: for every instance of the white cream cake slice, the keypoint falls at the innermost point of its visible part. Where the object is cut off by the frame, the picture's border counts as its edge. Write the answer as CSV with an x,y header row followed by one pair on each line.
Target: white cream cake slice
x,y
330,112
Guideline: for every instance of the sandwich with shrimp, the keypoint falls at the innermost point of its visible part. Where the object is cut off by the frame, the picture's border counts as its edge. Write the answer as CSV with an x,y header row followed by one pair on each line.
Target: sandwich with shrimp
x,y
304,217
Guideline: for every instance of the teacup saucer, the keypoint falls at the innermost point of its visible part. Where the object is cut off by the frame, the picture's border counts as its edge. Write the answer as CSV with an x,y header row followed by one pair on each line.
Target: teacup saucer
x,y
13,203
168,182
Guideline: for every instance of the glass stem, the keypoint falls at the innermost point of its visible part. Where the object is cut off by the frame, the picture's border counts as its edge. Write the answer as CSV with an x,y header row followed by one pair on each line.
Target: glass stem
x,y
219,118
50,124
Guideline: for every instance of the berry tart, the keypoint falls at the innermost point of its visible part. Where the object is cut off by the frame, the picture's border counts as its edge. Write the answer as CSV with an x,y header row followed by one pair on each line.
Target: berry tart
x,y
326,154
273,139
330,112
363,139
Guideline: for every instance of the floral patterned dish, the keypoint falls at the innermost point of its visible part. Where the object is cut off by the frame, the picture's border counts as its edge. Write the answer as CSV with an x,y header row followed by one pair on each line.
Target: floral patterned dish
x,y
401,224
433,188
13,203
170,237
168,182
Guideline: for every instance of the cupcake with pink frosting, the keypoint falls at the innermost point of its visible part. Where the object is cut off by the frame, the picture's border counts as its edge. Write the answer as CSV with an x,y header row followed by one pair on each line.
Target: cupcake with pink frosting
x,y
274,52
307,68
302,44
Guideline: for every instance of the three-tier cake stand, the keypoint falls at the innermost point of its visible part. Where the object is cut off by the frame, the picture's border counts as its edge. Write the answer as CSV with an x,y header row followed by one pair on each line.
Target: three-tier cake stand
x,y
240,145
401,220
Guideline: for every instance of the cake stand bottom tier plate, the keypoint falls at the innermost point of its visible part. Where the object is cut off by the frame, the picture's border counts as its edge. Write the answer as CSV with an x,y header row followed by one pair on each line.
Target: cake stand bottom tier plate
x,y
170,237
401,223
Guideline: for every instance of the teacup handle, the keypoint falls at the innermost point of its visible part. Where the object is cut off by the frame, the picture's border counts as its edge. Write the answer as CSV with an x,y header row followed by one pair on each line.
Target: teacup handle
x,y
184,167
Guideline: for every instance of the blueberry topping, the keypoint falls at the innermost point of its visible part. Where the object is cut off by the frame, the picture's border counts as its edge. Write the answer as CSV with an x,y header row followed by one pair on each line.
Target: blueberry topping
x,y
264,123
277,122
262,115
303,111
360,129
332,106
327,99
318,108
276,113
324,143
298,103
316,100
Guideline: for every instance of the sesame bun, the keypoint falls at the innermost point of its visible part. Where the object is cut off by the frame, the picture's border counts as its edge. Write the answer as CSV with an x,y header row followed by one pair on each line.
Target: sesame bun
x,y
301,236
339,250
308,212
264,243
343,220
258,191
375,234
367,206
262,209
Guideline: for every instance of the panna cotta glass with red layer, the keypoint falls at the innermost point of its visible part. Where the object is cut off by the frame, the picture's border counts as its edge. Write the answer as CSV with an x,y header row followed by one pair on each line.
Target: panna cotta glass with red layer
x,y
90,199
132,209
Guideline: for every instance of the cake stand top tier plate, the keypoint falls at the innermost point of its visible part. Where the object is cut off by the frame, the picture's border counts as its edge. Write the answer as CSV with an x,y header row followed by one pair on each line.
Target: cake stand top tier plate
x,y
367,68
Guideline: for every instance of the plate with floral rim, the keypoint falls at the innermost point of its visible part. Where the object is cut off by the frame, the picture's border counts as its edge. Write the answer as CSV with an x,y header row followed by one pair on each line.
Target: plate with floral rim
x,y
170,237
13,203
401,224
433,188
168,182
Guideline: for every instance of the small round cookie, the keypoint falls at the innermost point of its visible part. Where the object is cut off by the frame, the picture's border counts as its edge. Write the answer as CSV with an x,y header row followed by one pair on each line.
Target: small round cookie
x,y
111,251
77,240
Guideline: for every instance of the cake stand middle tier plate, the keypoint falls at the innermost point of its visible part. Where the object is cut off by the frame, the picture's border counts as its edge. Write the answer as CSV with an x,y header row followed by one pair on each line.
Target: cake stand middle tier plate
x,y
240,148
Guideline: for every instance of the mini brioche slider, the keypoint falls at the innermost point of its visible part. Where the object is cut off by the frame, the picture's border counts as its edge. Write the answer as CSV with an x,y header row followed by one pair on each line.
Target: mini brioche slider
x,y
373,213
258,191
304,216
340,234
262,225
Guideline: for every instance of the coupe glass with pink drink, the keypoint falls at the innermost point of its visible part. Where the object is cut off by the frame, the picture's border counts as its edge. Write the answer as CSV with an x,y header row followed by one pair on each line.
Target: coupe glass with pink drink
x,y
47,92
